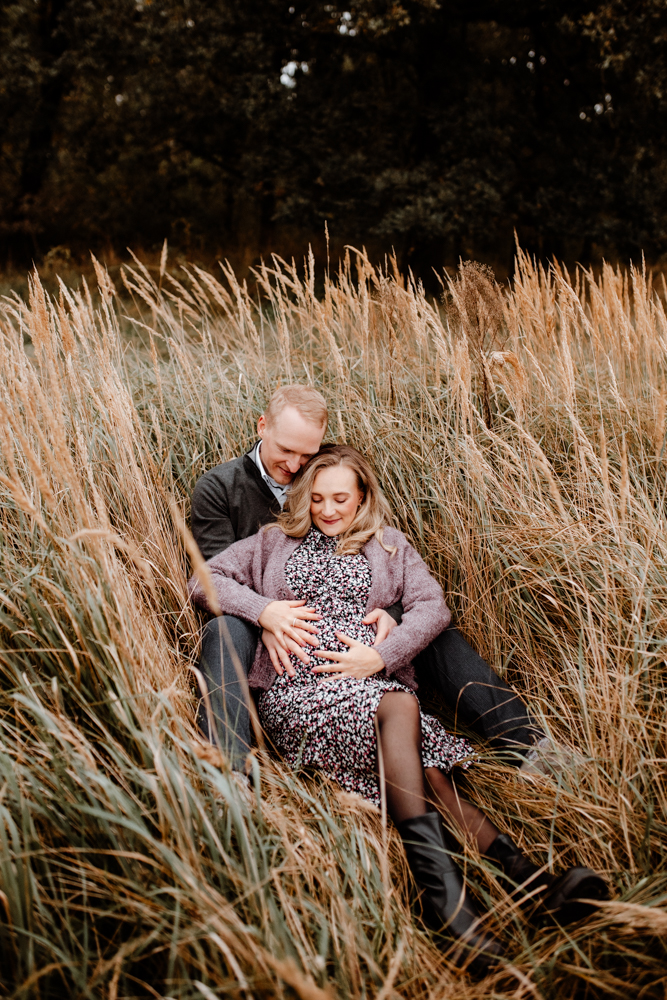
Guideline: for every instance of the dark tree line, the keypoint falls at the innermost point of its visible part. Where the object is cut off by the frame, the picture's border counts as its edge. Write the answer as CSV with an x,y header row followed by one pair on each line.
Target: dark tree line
x,y
433,126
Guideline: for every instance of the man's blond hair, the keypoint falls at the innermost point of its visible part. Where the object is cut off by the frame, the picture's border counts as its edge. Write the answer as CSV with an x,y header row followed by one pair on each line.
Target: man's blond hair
x,y
303,398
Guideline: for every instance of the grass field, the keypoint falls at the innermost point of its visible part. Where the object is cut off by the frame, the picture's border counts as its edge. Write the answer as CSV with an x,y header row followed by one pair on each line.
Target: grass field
x,y
520,437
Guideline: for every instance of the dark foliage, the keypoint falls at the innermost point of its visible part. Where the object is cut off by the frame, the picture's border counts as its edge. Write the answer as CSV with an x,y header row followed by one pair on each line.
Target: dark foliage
x,y
434,127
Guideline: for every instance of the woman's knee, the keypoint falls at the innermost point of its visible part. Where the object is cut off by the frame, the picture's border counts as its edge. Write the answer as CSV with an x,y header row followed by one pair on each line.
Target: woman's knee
x,y
398,704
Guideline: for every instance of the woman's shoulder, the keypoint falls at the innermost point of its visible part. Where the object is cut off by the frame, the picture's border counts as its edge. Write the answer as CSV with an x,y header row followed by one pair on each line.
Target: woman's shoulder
x,y
393,539
396,539
393,536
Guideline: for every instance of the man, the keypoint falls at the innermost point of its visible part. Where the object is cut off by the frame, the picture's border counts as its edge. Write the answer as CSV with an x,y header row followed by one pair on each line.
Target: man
x,y
233,501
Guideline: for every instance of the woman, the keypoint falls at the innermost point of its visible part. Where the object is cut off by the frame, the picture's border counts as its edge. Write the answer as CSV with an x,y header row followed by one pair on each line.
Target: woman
x,y
351,710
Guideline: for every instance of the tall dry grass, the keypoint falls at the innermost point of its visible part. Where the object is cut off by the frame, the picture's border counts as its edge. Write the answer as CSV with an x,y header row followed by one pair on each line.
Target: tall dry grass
x,y
520,436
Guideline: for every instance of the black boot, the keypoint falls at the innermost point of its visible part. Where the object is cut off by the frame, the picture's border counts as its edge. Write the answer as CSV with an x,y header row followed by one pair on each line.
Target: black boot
x,y
547,896
446,906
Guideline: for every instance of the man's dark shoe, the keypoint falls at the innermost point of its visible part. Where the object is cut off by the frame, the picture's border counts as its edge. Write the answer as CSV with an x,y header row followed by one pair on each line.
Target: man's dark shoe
x,y
564,898
446,906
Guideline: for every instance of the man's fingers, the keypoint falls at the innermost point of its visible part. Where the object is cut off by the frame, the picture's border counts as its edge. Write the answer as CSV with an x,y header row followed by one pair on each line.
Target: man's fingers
x,y
276,664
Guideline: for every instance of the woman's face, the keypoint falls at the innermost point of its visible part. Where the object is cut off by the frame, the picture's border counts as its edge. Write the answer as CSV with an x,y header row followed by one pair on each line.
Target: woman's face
x,y
335,499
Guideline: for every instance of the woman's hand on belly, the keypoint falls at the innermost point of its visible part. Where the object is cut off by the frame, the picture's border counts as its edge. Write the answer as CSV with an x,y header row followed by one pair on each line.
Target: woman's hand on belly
x,y
290,619
357,661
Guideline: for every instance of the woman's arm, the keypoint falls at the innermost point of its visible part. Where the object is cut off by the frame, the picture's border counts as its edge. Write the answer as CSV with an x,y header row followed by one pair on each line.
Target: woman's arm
x,y
237,576
233,579
425,613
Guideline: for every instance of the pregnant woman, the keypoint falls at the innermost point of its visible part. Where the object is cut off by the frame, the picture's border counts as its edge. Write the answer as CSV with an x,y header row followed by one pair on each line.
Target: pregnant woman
x,y
351,709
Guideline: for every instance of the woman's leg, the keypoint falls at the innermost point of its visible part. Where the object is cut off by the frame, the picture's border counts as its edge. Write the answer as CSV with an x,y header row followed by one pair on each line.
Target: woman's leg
x,y
470,820
399,724
444,900
560,898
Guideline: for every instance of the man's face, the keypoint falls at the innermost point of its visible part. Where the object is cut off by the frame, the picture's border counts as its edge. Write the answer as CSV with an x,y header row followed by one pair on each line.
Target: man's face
x,y
287,444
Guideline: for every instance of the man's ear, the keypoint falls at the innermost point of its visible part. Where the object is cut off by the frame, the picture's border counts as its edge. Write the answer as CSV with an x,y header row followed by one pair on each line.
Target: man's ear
x,y
261,425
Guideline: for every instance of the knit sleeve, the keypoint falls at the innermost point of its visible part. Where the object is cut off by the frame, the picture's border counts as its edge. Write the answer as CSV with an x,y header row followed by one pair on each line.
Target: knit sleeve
x,y
236,576
425,613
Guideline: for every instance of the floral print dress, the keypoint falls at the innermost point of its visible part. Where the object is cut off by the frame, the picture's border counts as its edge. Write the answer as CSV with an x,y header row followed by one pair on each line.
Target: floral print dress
x,y
329,724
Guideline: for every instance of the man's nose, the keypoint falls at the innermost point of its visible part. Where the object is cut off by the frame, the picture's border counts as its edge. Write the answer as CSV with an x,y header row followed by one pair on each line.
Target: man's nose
x,y
293,465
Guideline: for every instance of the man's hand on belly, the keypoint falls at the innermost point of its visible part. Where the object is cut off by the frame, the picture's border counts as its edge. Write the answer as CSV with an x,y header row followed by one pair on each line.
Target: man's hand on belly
x,y
384,624
357,661
279,652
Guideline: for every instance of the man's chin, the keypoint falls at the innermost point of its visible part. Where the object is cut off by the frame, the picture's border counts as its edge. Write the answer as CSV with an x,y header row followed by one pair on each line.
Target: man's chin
x,y
282,478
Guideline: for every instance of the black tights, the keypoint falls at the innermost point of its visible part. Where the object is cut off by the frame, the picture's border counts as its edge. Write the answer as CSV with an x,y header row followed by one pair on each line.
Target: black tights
x,y
405,780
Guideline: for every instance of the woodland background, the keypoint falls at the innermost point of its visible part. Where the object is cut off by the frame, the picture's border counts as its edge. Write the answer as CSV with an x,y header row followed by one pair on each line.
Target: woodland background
x,y
241,127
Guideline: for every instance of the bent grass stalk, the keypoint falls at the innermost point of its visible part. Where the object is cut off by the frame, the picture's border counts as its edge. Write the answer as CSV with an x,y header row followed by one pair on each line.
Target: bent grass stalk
x,y
532,479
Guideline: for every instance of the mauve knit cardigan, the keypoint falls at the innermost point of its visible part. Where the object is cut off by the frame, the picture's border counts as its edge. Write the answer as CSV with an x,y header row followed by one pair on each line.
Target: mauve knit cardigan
x,y
251,573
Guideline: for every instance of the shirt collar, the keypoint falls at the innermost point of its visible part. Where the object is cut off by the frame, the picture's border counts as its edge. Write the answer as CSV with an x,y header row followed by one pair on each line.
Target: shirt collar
x,y
279,491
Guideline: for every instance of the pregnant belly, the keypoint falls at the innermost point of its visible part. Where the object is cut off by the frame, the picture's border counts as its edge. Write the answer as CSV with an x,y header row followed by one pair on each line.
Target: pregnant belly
x,y
352,627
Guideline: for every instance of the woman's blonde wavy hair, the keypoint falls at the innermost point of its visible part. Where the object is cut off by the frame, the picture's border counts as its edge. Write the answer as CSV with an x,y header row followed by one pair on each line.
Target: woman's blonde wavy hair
x,y
373,515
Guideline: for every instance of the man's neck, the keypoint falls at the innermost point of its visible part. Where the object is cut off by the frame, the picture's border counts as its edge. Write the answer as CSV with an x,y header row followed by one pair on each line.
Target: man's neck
x,y
261,463
279,490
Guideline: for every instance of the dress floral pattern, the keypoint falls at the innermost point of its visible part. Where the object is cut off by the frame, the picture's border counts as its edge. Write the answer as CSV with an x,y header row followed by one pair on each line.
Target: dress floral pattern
x,y
329,724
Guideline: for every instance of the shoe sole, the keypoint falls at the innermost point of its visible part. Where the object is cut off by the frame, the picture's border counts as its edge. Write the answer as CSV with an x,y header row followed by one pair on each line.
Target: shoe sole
x,y
575,895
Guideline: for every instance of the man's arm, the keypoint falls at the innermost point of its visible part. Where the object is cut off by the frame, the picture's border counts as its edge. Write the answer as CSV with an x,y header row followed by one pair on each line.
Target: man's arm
x,y
396,612
211,524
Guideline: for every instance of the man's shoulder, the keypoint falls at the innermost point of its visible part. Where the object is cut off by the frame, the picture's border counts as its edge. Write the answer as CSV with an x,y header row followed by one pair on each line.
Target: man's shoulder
x,y
226,475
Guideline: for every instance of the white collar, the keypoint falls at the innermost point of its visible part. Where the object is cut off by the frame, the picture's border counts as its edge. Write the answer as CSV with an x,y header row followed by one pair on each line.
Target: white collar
x,y
279,491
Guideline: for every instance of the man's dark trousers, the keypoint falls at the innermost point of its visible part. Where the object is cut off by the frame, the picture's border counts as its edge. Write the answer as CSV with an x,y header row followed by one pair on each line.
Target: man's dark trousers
x,y
230,726
472,691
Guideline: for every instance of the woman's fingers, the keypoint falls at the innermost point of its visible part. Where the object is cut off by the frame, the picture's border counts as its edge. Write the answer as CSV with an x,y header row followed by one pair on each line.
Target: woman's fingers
x,y
298,651
300,637
302,612
304,625
347,640
283,654
325,654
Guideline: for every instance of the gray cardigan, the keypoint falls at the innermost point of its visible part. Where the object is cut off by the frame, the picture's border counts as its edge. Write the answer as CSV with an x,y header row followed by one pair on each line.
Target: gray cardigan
x,y
251,573
229,502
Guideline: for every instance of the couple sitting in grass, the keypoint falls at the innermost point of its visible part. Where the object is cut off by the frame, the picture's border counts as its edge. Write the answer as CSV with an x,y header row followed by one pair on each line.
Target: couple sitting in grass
x,y
336,619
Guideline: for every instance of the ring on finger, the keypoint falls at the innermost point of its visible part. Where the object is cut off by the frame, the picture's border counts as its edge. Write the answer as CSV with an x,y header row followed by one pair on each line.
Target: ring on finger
x,y
294,623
